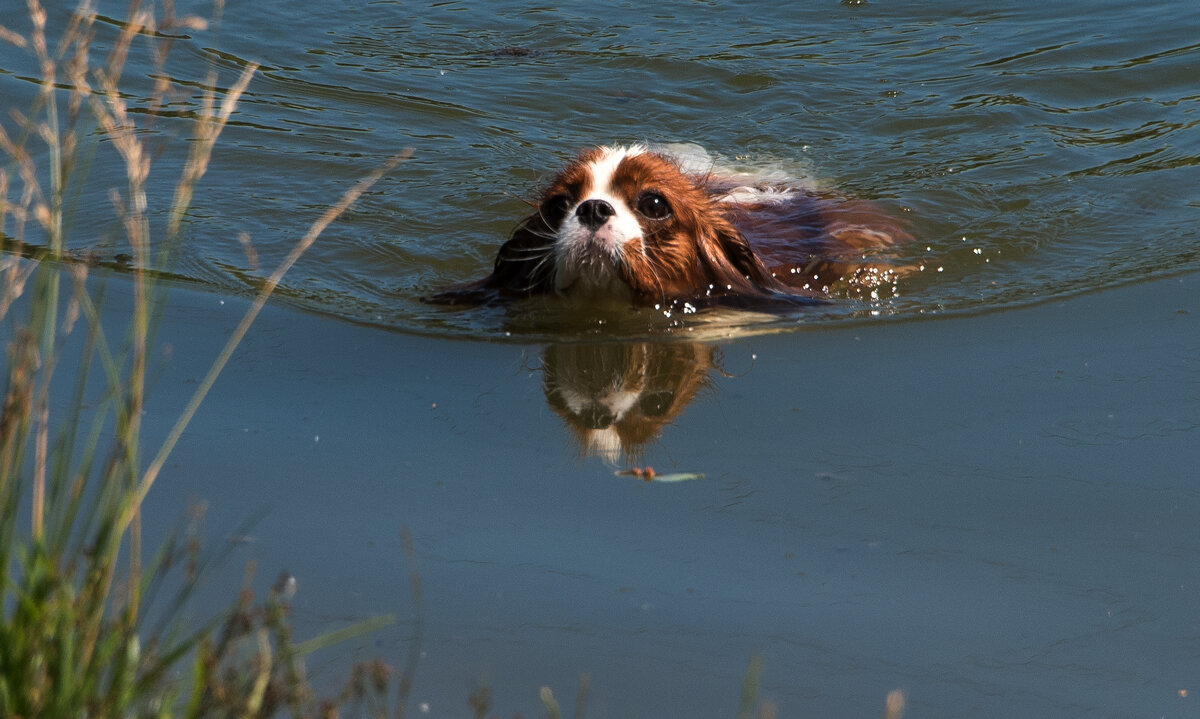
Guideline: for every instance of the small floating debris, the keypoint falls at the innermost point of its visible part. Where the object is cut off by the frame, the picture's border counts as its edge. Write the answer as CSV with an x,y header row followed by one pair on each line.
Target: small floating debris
x,y
648,474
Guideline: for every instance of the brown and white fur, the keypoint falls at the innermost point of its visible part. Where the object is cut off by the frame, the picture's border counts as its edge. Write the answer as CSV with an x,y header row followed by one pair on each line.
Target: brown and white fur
x,y
617,397
638,224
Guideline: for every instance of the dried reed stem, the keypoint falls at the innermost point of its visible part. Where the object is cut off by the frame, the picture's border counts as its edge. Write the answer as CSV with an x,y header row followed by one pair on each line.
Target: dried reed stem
x,y
314,231
209,126
11,270
82,634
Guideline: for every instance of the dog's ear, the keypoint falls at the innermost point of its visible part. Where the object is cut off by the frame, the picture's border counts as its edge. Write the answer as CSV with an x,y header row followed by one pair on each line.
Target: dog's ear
x,y
524,266
731,264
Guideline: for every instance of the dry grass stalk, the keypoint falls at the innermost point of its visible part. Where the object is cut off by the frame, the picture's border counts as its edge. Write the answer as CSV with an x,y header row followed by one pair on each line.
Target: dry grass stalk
x,y
63,591
314,231
13,38
14,272
208,128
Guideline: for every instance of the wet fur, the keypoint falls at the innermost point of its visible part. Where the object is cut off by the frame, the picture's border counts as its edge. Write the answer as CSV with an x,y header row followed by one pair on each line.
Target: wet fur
x,y
723,243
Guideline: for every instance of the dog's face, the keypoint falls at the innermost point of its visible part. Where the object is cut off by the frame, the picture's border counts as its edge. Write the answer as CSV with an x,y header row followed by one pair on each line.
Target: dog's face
x,y
627,222
621,217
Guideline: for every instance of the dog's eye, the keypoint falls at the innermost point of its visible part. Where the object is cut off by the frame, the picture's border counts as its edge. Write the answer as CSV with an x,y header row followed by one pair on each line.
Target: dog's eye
x,y
653,206
559,204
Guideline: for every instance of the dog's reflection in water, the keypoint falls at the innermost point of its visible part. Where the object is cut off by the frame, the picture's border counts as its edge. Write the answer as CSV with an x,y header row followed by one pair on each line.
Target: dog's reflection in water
x,y
617,397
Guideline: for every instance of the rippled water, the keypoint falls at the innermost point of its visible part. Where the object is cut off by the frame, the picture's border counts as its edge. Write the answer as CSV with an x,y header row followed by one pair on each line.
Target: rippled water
x,y
1038,150
995,513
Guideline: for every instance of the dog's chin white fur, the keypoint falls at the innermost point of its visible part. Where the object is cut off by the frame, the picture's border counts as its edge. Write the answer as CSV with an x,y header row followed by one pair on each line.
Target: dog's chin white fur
x,y
588,262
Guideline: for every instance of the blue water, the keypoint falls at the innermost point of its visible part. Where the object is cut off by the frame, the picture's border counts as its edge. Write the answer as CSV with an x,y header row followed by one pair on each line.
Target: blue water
x,y
994,511
1037,150
995,514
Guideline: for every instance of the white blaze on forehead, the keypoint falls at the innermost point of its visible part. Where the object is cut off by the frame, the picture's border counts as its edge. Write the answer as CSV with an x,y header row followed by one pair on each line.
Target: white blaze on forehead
x,y
623,226
604,167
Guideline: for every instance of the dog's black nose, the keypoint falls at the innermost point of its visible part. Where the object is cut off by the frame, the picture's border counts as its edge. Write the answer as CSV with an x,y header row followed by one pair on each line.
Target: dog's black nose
x,y
594,213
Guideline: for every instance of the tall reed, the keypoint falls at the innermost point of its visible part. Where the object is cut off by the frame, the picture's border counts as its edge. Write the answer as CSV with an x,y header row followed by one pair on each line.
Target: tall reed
x,y
74,639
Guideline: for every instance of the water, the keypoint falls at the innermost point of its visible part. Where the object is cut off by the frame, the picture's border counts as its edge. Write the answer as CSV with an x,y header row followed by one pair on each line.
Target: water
x,y
1026,150
1035,155
993,512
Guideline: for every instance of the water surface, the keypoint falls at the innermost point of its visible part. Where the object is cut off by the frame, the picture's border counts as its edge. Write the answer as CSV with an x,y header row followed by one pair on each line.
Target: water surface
x,y
1037,150
994,511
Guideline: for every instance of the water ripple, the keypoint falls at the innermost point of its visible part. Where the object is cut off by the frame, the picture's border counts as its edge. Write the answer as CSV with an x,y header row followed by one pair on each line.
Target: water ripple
x,y
1034,157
